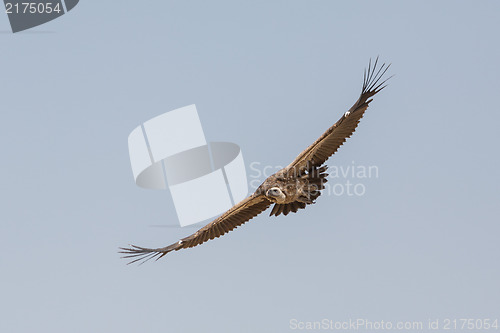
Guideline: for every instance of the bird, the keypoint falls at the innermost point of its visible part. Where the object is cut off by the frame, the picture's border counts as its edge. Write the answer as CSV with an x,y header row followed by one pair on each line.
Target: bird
x,y
290,189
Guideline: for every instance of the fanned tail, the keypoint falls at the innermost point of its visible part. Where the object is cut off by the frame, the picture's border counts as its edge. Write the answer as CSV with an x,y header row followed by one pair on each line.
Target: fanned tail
x,y
316,178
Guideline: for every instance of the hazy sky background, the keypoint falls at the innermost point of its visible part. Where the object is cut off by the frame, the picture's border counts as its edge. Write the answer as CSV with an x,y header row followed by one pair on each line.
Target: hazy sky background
x,y
271,76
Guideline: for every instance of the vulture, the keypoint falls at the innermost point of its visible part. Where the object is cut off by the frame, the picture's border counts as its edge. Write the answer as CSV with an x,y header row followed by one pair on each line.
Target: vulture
x,y
292,188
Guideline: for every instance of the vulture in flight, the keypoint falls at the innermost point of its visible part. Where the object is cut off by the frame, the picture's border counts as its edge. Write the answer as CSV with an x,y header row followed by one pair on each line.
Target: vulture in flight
x,y
291,188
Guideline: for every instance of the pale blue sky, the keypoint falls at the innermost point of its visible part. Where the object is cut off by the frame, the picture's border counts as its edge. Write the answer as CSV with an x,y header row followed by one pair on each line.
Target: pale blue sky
x,y
271,76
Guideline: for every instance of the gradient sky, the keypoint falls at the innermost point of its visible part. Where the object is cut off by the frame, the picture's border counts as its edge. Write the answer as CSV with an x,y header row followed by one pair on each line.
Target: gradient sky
x,y
271,76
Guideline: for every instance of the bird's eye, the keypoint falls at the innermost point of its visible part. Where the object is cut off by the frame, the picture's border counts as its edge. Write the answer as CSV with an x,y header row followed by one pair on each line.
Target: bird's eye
x,y
274,191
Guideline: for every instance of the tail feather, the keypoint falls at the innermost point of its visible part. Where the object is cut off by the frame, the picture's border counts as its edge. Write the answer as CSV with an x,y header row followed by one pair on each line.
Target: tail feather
x,y
316,178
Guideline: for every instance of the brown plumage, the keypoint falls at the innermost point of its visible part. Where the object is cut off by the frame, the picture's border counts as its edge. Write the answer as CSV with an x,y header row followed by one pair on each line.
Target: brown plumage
x,y
290,189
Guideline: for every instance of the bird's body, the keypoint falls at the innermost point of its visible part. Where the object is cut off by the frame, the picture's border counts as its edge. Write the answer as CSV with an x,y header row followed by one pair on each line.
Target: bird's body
x,y
290,189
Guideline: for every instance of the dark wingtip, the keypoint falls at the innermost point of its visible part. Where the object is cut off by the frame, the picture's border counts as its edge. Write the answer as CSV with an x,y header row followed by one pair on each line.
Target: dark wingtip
x,y
372,77
139,254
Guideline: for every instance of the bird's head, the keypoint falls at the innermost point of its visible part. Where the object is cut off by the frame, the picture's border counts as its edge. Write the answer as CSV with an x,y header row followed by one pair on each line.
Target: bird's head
x,y
276,194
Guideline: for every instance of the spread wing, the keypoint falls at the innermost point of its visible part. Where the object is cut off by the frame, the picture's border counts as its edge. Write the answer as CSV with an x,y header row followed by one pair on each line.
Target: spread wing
x,y
234,217
328,143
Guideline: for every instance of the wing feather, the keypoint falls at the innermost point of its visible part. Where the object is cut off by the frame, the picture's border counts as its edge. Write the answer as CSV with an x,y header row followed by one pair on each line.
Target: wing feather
x,y
328,143
231,219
